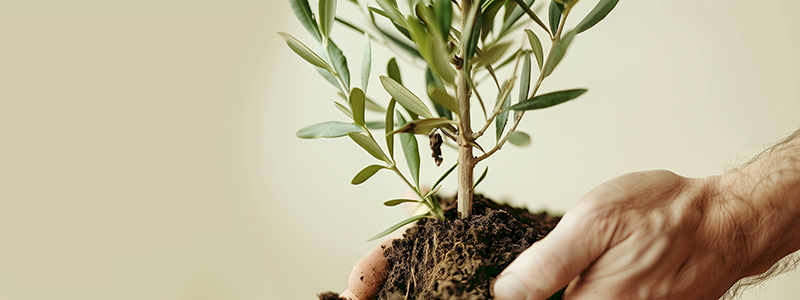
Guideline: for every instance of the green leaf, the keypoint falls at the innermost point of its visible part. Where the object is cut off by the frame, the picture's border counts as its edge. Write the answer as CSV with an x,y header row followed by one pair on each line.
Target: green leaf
x,y
351,26
327,14
525,79
374,125
444,99
432,83
471,34
443,12
366,62
339,63
395,202
392,12
491,55
303,13
357,105
398,225
332,129
547,100
483,176
405,97
424,126
438,58
329,78
502,118
597,14
346,111
371,105
366,173
516,12
519,138
394,71
304,52
489,11
559,49
410,150
536,45
445,175
370,145
532,15
555,15
389,126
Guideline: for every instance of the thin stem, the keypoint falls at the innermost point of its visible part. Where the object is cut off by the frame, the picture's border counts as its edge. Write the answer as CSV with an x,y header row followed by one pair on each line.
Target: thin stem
x,y
499,104
424,200
519,114
466,161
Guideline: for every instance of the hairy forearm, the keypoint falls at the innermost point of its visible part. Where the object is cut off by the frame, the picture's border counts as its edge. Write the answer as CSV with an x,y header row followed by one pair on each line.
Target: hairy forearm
x,y
767,192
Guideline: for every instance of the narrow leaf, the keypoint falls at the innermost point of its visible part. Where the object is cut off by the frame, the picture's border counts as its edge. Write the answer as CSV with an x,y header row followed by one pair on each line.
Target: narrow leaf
x,y
389,126
366,173
443,10
395,202
483,176
394,71
332,129
371,105
532,15
327,14
432,83
536,45
339,63
555,15
303,13
346,111
597,14
438,59
370,145
392,12
519,138
405,97
329,78
559,49
444,99
424,126
398,225
410,150
471,34
357,100
516,11
366,62
547,100
304,52
445,175
502,118
491,55
374,125
525,78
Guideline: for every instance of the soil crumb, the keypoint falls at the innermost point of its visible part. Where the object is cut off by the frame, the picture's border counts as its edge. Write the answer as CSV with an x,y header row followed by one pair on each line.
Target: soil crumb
x,y
459,258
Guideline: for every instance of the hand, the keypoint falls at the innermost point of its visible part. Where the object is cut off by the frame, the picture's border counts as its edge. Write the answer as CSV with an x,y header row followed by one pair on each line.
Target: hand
x,y
646,235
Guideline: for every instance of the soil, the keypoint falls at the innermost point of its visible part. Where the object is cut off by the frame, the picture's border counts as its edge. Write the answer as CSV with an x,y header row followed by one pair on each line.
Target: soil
x,y
459,259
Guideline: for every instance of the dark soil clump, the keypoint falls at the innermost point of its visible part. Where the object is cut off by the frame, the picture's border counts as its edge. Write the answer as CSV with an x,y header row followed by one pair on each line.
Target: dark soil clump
x,y
459,258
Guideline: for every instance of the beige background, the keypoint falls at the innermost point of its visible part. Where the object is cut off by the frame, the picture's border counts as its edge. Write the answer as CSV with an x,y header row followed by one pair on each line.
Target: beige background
x,y
148,151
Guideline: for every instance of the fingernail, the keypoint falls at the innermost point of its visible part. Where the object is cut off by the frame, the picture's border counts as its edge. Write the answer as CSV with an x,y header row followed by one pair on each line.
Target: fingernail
x,y
508,287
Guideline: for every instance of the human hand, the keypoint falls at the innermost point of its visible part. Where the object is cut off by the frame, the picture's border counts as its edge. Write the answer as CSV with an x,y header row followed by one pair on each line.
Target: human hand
x,y
646,235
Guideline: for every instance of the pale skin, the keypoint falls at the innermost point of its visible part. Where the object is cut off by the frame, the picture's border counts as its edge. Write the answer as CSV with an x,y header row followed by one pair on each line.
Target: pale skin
x,y
655,235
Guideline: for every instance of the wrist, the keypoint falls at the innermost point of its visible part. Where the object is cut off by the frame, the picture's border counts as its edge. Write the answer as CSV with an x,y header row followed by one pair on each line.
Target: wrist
x,y
763,202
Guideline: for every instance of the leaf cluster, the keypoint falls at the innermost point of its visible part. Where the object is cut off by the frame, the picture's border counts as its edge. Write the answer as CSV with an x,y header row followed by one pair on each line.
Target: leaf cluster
x,y
481,44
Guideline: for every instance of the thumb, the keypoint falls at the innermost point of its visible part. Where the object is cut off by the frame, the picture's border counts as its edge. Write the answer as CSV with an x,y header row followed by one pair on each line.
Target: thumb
x,y
551,263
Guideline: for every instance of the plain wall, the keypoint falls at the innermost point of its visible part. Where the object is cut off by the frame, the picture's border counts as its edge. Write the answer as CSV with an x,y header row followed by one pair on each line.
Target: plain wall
x,y
148,149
